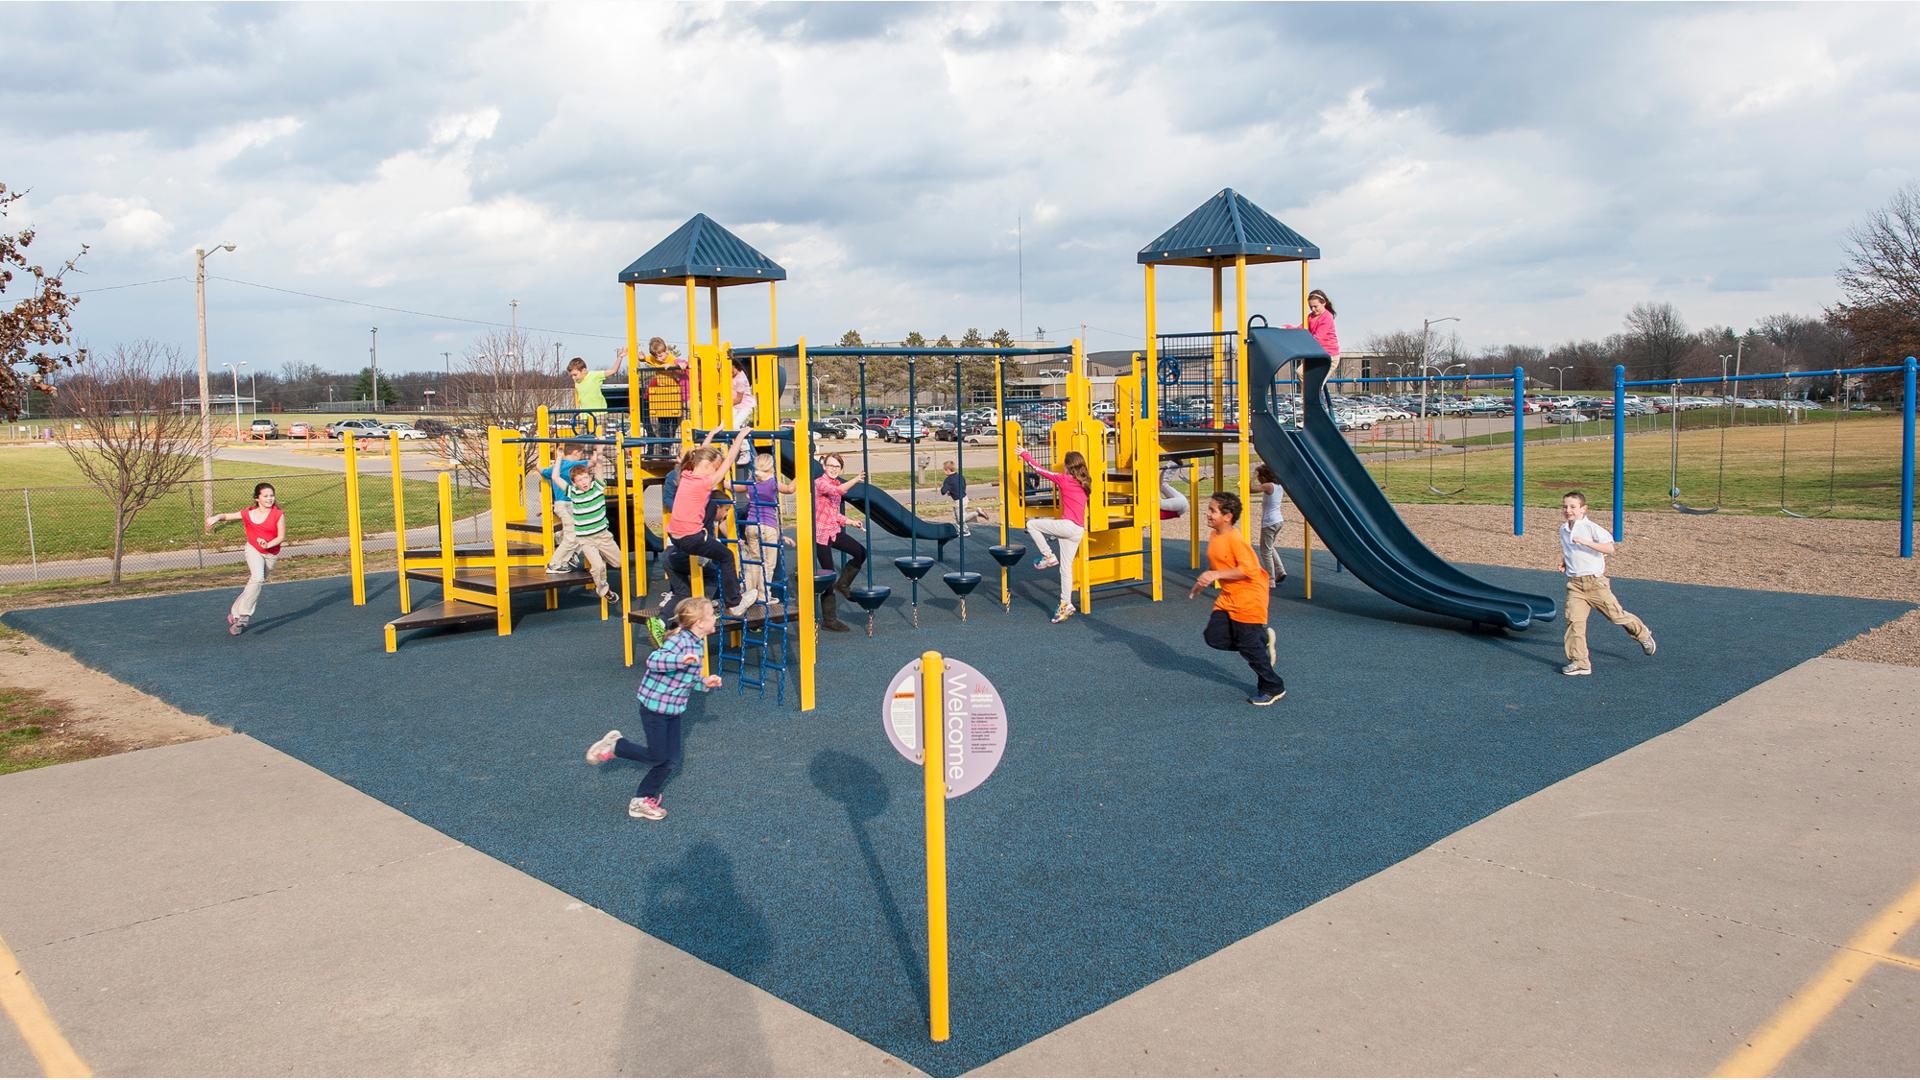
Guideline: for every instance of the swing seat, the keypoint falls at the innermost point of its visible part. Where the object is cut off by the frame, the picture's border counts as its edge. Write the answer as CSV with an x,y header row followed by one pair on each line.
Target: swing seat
x,y
1697,510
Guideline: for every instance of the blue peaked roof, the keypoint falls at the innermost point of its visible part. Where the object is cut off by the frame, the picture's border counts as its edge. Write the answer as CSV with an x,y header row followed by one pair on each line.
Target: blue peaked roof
x,y
1225,226
703,250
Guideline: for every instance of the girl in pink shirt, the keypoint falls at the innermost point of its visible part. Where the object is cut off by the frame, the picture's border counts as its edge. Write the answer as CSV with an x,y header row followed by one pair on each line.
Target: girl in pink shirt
x,y
266,529
691,534
830,534
1074,485
1320,322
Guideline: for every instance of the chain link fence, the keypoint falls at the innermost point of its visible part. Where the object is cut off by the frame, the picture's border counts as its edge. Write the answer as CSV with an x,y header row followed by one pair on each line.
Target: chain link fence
x,y
60,533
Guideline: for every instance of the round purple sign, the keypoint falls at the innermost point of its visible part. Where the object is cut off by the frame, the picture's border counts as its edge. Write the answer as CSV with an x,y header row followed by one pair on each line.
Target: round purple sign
x,y
973,719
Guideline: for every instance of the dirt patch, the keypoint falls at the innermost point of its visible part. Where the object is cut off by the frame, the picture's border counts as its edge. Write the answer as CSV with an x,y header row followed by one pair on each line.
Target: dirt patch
x,y
95,713
1778,554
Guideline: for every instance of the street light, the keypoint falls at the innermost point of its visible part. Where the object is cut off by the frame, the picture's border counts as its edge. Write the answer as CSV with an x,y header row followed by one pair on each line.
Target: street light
x,y
206,418
1427,325
1562,369
253,392
236,398
373,362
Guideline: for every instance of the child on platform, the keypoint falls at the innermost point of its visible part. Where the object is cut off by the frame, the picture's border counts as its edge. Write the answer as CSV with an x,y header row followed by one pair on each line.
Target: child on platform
x,y
1273,514
592,532
760,537
955,487
266,529
1074,484
1239,619
693,533
673,673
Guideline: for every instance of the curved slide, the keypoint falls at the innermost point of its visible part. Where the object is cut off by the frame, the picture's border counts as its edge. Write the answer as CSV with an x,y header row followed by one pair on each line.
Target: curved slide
x,y
1325,478
886,511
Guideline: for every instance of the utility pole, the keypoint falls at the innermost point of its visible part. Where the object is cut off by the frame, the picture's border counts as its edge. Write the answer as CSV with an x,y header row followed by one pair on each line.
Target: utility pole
x,y
513,334
446,391
206,416
373,358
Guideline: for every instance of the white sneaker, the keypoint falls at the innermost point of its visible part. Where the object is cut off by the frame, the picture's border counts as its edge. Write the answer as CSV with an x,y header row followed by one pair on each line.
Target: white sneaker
x,y
602,750
1576,669
747,600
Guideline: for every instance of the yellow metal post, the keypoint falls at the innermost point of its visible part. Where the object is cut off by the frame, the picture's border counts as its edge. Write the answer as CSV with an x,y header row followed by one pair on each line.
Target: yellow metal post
x,y
502,505
1241,397
545,458
690,406
803,527
633,348
399,522
445,492
1152,391
1194,503
356,549
1219,397
933,744
1006,473
1081,440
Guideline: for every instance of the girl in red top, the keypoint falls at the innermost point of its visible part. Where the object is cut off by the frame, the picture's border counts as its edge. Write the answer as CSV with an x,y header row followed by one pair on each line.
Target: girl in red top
x,y
830,534
266,530
1075,483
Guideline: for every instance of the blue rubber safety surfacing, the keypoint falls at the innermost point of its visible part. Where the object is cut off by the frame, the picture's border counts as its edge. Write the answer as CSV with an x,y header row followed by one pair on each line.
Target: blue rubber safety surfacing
x,y
1144,816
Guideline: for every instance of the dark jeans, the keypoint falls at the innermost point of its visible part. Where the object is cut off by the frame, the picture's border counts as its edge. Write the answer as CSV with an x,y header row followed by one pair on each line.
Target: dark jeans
x,y
705,545
662,750
1250,641
856,552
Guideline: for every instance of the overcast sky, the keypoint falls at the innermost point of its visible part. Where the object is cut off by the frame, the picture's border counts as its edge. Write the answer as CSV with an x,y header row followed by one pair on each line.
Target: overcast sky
x,y
1534,170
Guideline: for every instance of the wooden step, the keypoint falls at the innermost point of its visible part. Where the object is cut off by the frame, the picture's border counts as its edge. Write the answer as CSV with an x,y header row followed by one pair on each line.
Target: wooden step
x,y
519,579
444,613
528,526
474,551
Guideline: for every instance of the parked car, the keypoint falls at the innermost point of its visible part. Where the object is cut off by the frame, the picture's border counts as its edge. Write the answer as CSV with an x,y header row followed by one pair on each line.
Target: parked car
x,y
299,429
1567,416
404,430
263,428
906,431
359,429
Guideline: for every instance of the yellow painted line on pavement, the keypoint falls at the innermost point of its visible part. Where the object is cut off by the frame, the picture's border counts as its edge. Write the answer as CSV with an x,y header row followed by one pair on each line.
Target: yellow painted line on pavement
x,y
23,1006
1806,1010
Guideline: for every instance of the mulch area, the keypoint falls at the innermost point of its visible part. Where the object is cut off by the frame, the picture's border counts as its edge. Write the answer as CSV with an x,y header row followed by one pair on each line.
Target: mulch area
x,y
1779,554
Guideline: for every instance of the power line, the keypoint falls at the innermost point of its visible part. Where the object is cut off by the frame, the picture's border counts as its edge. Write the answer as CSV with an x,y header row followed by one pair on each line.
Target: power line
x,y
130,285
410,311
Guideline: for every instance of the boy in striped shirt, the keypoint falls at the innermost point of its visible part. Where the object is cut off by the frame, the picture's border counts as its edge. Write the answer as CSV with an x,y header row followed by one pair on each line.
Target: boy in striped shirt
x,y
591,530
673,674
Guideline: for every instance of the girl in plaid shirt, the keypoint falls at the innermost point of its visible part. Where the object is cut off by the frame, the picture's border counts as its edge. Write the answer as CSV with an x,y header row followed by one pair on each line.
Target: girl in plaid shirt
x,y
673,673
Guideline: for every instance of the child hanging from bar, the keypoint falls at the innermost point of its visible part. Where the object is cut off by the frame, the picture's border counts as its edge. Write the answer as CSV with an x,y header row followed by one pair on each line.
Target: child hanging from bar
x,y
692,529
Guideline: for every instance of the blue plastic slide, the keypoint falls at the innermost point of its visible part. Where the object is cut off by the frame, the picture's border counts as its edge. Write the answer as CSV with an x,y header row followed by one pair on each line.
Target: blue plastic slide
x,y
1326,480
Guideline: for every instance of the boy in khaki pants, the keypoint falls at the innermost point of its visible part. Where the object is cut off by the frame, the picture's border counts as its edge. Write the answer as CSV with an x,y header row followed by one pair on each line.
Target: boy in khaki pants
x,y
1584,547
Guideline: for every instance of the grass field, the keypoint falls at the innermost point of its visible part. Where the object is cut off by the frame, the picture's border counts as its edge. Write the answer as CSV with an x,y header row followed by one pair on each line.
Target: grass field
x,y
71,519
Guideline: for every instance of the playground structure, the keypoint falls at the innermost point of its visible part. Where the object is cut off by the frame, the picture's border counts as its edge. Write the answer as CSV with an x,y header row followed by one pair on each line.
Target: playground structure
x,y
1191,398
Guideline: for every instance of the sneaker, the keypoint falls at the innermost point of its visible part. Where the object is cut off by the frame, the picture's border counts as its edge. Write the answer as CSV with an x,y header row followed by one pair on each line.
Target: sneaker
x,y
657,630
1648,645
235,627
556,571
1273,654
1576,669
1063,613
1266,699
602,750
648,808
1047,563
966,532
666,601
611,598
747,600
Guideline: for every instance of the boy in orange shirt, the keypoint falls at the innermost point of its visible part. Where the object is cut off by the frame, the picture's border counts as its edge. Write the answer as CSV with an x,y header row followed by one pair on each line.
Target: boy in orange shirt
x,y
1239,620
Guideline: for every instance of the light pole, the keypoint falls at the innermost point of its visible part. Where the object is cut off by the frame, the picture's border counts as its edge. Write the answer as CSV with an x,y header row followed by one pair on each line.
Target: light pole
x,y
253,392
1562,369
206,417
373,364
236,398
513,332
1426,325
446,388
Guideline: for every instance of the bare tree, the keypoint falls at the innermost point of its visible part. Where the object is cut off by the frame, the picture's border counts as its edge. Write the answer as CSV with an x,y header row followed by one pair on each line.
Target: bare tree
x,y
499,381
1657,338
136,446
1881,280
31,328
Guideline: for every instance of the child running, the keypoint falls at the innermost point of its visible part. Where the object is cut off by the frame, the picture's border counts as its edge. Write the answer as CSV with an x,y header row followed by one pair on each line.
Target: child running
x,y
1584,547
1239,619
673,673
692,531
266,528
1075,484
830,534
1273,514
955,487
559,474
592,532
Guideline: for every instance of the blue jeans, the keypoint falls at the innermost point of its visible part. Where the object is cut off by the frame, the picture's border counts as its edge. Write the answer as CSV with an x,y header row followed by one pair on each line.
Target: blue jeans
x,y
662,750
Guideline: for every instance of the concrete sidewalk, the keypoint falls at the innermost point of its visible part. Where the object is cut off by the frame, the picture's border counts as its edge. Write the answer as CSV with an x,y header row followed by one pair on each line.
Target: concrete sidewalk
x,y
218,908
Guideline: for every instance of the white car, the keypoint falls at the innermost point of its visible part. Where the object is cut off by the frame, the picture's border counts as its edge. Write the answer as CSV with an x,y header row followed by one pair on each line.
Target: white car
x,y
405,431
1567,416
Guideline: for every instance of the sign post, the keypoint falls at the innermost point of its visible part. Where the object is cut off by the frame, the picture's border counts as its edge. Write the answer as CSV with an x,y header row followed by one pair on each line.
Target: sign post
x,y
947,718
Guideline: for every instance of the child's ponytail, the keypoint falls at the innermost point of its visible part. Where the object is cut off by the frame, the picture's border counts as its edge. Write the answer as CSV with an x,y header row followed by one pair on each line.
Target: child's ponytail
x,y
1076,467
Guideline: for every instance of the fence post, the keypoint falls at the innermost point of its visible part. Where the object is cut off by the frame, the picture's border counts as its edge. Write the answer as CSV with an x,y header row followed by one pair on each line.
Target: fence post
x,y
1619,451
1519,450
33,551
1906,460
